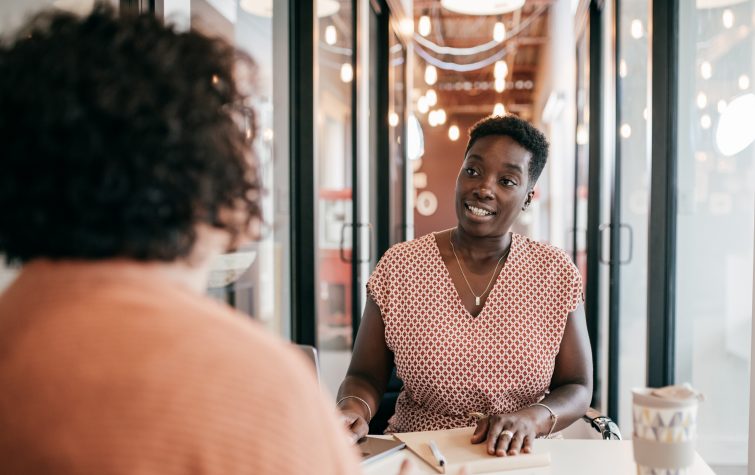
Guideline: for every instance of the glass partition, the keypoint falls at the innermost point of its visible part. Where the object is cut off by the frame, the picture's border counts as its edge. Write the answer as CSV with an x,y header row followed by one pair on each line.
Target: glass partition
x,y
715,209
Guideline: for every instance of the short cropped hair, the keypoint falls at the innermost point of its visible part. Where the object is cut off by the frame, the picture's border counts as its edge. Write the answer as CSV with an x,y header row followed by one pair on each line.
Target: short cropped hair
x,y
521,131
119,138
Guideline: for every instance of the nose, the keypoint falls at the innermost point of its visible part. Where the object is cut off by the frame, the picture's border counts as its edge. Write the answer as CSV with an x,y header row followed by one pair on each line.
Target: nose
x,y
483,192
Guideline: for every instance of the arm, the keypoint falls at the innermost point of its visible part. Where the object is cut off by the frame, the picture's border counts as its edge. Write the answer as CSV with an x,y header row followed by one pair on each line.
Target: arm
x,y
569,398
368,373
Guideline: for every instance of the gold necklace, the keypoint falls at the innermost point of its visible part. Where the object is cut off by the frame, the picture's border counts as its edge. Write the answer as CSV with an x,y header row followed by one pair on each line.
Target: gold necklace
x,y
476,297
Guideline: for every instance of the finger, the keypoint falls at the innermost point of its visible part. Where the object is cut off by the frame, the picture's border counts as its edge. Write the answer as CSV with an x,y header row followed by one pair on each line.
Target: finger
x,y
406,468
480,431
515,446
527,445
359,429
504,438
495,429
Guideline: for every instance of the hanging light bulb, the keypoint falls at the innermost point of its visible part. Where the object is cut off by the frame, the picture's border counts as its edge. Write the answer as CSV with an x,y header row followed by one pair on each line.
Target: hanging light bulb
x,y
636,29
432,97
393,119
453,133
431,75
501,69
702,100
706,70
728,18
499,32
440,116
422,106
432,118
498,109
347,74
331,36
744,82
423,27
500,84
625,130
705,121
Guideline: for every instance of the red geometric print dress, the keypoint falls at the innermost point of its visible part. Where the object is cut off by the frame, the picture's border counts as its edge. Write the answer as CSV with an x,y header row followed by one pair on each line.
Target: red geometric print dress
x,y
452,363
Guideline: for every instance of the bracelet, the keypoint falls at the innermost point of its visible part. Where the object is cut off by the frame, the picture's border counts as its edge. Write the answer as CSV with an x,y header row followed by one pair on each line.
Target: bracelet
x,y
554,417
369,411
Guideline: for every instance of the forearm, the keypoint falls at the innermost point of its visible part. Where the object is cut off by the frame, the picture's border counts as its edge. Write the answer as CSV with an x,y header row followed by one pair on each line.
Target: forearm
x,y
364,389
569,402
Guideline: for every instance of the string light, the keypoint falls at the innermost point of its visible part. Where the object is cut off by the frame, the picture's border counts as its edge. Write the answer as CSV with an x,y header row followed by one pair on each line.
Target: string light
x,y
706,70
393,119
331,36
432,97
347,73
453,133
498,109
625,130
702,100
440,116
500,84
501,69
499,32
637,30
727,18
431,75
422,105
424,26
705,121
744,82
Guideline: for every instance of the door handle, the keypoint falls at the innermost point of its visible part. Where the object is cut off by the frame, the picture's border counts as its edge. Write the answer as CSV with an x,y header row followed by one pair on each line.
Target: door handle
x,y
341,249
630,240
369,242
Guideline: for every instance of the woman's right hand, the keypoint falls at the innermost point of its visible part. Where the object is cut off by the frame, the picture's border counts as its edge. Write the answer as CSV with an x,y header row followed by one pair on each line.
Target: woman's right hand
x,y
355,424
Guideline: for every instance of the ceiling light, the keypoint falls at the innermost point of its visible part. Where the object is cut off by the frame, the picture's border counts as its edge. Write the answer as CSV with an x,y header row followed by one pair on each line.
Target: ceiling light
x,y
440,116
636,29
422,105
432,118
264,8
423,27
702,100
453,133
735,131
500,70
431,75
727,18
347,73
706,70
499,31
331,36
498,109
432,97
500,84
482,7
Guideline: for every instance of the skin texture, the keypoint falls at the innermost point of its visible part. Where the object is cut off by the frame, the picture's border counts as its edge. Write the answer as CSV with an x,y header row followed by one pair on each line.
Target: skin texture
x,y
493,177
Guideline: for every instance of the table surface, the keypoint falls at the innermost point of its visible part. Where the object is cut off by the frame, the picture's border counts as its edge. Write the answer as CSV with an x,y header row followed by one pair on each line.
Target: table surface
x,y
568,457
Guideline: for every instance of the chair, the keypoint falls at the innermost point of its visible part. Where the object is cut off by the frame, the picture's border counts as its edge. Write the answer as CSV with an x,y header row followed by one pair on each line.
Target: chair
x,y
311,354
593,425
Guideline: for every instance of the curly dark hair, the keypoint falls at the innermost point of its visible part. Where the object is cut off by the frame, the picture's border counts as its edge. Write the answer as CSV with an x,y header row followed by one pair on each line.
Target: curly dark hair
x,y
521,131
120,136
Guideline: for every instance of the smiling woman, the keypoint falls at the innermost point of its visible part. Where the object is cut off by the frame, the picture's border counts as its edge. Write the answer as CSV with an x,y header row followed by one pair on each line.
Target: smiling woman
x,y
485,326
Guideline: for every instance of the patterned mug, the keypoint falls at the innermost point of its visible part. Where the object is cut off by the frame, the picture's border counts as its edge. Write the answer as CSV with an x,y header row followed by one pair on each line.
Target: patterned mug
x,y
664,432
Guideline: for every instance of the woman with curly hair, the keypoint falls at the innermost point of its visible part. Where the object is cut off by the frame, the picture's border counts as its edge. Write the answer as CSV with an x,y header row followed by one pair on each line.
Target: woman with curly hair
x,y
123,176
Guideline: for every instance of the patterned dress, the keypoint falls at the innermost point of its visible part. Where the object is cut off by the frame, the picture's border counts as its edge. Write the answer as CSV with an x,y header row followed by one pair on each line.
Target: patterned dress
x,y
452,363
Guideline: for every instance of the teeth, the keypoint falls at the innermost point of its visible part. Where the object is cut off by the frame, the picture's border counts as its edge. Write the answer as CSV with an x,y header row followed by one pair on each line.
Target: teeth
x,y
478,211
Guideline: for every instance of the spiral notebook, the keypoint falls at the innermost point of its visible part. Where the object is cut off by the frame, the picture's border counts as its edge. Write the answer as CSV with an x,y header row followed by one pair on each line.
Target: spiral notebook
x,y
459,451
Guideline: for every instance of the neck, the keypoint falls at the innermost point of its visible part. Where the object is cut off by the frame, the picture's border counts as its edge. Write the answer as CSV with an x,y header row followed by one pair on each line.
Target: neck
x,y
480,248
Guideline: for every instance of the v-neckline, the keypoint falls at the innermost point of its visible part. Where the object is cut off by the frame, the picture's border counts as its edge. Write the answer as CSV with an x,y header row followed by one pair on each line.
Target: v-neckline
x,y
450,279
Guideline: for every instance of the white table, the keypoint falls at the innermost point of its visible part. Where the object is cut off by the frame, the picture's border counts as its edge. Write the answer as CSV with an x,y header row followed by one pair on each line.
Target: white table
x,y
568,457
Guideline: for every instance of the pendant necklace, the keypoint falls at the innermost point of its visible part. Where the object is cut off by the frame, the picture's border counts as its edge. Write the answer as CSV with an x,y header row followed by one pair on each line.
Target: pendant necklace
x,y
477,298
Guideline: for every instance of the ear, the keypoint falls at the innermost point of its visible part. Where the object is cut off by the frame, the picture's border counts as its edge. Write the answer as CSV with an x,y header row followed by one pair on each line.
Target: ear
x,y
528,200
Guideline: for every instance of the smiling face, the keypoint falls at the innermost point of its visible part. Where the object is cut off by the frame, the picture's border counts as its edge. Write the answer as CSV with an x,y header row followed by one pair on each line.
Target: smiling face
x,y
492,186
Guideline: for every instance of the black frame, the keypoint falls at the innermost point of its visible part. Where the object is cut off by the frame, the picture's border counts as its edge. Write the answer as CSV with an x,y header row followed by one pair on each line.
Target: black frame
x,y
302,173
662,230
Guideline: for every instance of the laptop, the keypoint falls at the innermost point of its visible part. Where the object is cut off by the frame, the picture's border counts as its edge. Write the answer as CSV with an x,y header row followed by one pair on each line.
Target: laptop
x,y
374,449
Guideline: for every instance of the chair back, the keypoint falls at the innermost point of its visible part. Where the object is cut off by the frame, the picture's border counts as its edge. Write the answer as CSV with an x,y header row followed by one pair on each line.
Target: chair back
x,y
310,352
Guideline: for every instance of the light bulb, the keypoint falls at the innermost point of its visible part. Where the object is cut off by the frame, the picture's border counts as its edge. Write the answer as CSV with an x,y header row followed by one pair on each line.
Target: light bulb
x,y
347,74
393,119
498,109
501,69
706,70
705,121
499,32
407,26
453,133
331,36
440,116
432,97
423,27
744,82
637,30
431,75
625,130
702,100
727,18
500,84
422,106
432,118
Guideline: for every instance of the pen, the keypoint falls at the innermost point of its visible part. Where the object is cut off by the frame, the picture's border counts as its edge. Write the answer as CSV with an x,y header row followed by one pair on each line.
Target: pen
x,y
436,453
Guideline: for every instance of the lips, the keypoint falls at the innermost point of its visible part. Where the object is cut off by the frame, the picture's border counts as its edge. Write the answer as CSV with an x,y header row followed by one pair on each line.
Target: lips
x,y
478,210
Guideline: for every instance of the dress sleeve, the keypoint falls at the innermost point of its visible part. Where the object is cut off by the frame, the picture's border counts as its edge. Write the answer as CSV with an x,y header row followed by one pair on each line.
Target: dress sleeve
x,y
571,282
378,285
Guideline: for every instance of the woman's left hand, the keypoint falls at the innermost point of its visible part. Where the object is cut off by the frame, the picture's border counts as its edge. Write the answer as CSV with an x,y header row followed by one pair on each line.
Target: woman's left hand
x,y
507,434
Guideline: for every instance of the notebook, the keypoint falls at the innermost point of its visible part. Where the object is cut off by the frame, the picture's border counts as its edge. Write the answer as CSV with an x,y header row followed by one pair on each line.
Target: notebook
x,y
458,451
373,449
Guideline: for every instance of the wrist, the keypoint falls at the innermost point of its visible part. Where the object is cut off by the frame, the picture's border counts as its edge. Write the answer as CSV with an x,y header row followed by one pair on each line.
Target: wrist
x,y
546,418
357,405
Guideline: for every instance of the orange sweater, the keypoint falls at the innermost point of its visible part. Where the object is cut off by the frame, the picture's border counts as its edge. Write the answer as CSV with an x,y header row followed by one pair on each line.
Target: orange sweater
x,y
108,369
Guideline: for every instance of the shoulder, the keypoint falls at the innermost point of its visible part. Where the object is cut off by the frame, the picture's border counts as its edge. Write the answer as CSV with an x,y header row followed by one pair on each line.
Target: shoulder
x,y
544,253
416,249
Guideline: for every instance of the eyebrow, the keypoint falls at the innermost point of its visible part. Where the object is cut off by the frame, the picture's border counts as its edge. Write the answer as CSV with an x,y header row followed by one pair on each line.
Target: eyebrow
x,y
510,166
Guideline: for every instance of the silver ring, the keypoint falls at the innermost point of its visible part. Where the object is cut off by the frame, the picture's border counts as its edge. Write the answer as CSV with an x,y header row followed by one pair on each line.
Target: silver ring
x,y
506,432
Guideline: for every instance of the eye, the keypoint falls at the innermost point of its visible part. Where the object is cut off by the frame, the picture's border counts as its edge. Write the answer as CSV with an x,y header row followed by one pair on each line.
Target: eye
x,y
470,171
507,182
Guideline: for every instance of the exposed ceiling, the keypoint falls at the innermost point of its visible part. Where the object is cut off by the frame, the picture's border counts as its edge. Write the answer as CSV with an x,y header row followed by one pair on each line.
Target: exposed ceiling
x,y
473,92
